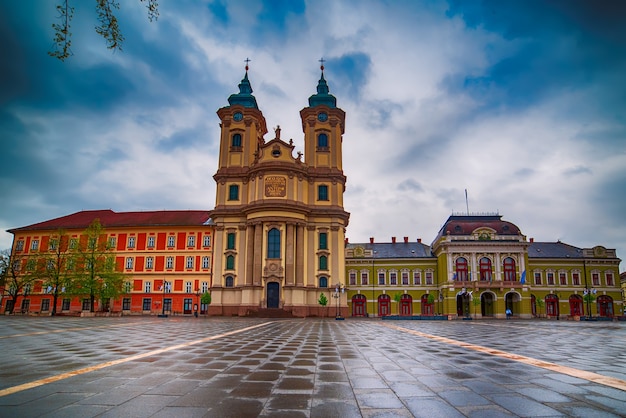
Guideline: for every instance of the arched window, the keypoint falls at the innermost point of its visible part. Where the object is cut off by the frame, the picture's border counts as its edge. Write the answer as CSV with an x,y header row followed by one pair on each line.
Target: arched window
x,y
236,141
509,269
461,269
323,262
273,243
485,269
230,281
323,281
230,262
322,141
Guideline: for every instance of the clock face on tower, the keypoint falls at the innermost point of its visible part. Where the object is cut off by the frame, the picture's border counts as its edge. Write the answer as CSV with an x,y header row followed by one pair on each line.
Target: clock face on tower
x,y
238,116
322,117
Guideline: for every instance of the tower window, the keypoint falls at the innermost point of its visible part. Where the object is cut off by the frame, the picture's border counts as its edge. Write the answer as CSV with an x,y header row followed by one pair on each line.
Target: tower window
x,y
230,262
230,241
233,192
322,192
323,241
322,141
273,243
323,262
236,141
323,281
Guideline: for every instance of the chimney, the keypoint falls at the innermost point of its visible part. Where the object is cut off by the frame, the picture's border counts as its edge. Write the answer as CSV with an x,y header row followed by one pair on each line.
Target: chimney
x,y
419,240
371,240
393,240
406,240
532,240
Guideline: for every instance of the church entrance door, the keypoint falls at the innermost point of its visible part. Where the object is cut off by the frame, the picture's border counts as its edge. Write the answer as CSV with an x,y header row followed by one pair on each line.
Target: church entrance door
x,y
273,295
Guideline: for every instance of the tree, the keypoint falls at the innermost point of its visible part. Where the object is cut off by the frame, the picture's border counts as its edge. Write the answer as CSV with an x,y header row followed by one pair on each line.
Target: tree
x,y
54,266
107,27
476,302
540,304
323,300
17,275
205,299
95,273
397,297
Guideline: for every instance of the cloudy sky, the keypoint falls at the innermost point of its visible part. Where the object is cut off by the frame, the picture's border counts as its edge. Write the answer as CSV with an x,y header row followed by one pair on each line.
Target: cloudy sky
x,y
522,103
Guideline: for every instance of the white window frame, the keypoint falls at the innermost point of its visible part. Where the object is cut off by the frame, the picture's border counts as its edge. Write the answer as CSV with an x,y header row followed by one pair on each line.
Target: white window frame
x,y
191,241
149,262
129,263
189,262
151,241
169,262
206,262
206,241
171,241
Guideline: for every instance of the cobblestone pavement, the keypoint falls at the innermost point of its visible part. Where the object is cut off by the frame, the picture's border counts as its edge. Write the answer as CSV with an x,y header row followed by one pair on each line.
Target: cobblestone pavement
x,y
238,367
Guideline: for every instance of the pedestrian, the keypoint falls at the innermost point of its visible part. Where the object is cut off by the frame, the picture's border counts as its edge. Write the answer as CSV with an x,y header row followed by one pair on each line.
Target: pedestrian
x,y
508,313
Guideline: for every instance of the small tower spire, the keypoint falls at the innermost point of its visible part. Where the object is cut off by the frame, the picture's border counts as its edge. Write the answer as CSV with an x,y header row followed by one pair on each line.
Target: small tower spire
x,y
323,97
244,97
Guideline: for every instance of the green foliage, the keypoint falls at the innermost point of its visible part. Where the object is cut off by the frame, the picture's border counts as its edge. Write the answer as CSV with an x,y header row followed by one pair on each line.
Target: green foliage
x,y
431,298
108,26
323,300
206,298
17,278
589,297
95,273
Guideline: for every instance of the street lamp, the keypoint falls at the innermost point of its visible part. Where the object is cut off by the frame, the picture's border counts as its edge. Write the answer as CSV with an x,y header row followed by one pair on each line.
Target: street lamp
x,y
163,315
195,312
339,289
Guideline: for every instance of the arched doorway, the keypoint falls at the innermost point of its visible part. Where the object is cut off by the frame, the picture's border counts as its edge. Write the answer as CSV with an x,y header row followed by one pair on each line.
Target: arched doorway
x,y
552,306
428,308
406,305
463,304
486,304
605,306
576,305
273,295
384,305
511,301
358,305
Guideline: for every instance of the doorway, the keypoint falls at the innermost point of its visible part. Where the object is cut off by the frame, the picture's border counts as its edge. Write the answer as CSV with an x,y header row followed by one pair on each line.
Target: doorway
x,y
273,295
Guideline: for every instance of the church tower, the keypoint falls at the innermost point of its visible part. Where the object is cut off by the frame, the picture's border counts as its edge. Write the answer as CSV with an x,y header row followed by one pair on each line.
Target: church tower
x,y
279,219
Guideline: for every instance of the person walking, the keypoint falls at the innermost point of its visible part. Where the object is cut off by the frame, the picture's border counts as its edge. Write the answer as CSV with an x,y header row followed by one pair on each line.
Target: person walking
x,y
508,313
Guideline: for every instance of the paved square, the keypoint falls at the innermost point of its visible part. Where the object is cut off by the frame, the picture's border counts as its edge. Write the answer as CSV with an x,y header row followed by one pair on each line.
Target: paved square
x,y
240,367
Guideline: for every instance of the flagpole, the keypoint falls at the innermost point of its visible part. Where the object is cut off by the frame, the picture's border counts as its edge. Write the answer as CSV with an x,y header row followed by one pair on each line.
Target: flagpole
x,y
466,202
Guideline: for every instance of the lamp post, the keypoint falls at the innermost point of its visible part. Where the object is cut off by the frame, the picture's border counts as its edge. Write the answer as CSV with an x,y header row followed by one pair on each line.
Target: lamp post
x,y
588,292
195,312
163,315
339,289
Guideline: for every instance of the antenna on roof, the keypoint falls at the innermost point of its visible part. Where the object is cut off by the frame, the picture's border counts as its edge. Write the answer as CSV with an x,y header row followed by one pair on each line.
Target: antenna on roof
x,y
466,202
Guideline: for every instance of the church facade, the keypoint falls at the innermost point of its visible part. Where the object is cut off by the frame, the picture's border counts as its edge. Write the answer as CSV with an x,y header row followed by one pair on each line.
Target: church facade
x,y
279,219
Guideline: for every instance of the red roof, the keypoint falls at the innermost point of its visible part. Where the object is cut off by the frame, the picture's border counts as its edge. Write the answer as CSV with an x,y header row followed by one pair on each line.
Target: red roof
x,y
110,219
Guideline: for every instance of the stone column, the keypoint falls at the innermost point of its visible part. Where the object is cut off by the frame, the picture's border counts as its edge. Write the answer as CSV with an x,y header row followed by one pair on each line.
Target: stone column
x,y
300,255
289,254
258,254
249,254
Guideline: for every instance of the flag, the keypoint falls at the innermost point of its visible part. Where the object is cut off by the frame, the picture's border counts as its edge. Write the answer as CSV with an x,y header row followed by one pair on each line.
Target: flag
x,y
522,280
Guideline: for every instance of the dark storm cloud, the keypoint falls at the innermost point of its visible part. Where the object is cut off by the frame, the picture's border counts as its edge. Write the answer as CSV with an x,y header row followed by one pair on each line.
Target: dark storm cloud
x,y
556,46
350,74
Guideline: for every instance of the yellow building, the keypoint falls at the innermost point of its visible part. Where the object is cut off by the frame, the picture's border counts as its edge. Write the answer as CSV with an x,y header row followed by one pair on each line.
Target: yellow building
x,y
480,266
279,218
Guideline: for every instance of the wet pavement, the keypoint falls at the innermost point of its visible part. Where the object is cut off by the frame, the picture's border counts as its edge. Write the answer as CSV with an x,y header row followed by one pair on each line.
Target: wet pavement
x,y
239,367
